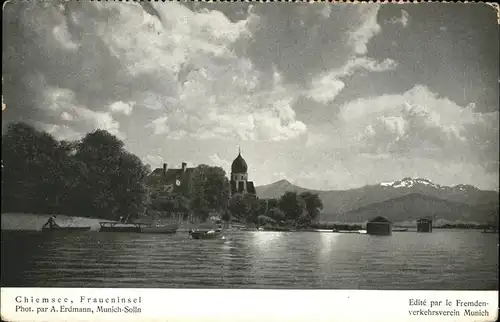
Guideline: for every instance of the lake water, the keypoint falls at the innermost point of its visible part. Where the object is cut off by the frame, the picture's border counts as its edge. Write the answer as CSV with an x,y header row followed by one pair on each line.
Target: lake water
x,y
444,260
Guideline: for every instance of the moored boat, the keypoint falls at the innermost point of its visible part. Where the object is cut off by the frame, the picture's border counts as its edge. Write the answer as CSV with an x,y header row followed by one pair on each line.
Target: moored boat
x,y
490,231
67,228
347,231
284,229
117,227
138,227
249,229
321,230
205,233
160,229
399,229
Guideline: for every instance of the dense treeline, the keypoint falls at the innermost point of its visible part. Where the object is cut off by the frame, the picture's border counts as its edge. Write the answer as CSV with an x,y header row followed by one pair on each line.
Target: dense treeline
x,y
337,226
466,226
96,177
290,210
93,177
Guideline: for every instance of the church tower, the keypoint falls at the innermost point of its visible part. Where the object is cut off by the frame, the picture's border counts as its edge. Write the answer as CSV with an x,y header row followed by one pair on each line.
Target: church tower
x,y
239,177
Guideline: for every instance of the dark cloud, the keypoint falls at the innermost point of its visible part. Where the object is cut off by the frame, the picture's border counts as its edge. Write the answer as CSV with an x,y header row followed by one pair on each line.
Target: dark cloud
x,y
451,48
298,40
295,74
32,56
235,11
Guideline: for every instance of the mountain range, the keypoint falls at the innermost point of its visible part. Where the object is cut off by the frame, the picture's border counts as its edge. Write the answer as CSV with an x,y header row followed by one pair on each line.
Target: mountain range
x,y
401,200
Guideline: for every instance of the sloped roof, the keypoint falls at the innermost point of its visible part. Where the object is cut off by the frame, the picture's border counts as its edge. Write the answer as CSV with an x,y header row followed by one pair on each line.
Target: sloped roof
x,y
379,219
171,175
250,187
157,171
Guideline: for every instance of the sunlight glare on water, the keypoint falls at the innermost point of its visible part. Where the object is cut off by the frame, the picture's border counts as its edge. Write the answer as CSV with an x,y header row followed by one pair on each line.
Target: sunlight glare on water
x,y
444,259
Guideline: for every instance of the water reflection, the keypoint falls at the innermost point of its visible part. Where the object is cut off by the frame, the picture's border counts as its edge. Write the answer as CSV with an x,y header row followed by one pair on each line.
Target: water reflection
x,y
264,241
237,263
441,260
327,245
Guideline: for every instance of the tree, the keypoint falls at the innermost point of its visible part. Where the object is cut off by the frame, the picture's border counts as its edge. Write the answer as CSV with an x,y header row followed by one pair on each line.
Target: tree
x,y
303,221
238,207
292,205
265,220
313,205
263,207
33,167
272,203
112,180
181,203
277,214
209,190
163,204
245,208
226,216
93,177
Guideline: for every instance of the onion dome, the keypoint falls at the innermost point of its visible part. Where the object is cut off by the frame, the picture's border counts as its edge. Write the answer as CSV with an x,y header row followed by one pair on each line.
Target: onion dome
x,y
239,165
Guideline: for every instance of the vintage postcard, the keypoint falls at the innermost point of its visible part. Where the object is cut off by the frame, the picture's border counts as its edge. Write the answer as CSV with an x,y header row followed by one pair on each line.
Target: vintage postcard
x,y
246,161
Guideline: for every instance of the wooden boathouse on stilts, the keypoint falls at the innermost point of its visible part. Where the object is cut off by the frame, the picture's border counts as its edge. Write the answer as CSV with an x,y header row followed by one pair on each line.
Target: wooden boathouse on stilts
x,y
379,226
424,225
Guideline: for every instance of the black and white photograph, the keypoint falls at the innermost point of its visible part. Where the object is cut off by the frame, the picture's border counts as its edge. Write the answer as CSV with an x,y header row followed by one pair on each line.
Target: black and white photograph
x,y
291,146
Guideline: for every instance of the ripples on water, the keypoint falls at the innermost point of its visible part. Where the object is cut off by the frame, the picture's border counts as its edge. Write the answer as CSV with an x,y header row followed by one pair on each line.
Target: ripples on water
x,y
444,259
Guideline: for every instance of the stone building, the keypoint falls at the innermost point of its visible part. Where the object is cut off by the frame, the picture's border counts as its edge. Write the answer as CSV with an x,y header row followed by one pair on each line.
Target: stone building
x,y
167,181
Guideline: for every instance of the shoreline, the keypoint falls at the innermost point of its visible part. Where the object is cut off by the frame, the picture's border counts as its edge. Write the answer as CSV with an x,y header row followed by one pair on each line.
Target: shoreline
x,y
34,222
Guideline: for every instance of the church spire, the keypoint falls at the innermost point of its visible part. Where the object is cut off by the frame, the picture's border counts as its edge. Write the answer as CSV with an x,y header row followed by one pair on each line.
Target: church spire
x,y
239,164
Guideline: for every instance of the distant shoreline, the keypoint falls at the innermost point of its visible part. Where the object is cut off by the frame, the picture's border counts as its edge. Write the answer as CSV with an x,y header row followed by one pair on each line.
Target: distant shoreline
x,y
34,222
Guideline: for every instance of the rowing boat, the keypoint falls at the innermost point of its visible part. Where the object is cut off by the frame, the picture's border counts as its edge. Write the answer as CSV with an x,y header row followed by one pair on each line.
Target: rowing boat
x,y
160,229
347,231
205,234
117,227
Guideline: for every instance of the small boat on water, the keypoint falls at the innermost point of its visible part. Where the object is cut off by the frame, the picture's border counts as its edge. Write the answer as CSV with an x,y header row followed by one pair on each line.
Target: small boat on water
x,y
205,234
118,227
347,231
283,229
490,231
160,229
67,228
399,229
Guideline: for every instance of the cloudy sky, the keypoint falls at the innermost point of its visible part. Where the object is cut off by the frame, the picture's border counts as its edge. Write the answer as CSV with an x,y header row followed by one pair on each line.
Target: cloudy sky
x,y
328,96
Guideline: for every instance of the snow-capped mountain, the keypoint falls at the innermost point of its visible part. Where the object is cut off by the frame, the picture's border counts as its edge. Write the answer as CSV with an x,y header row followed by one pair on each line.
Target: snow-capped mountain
x,y
344,201
422,182
409,182
459,193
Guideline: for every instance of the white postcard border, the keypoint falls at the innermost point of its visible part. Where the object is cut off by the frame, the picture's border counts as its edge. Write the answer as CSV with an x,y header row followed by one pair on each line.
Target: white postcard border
x,y
244,305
